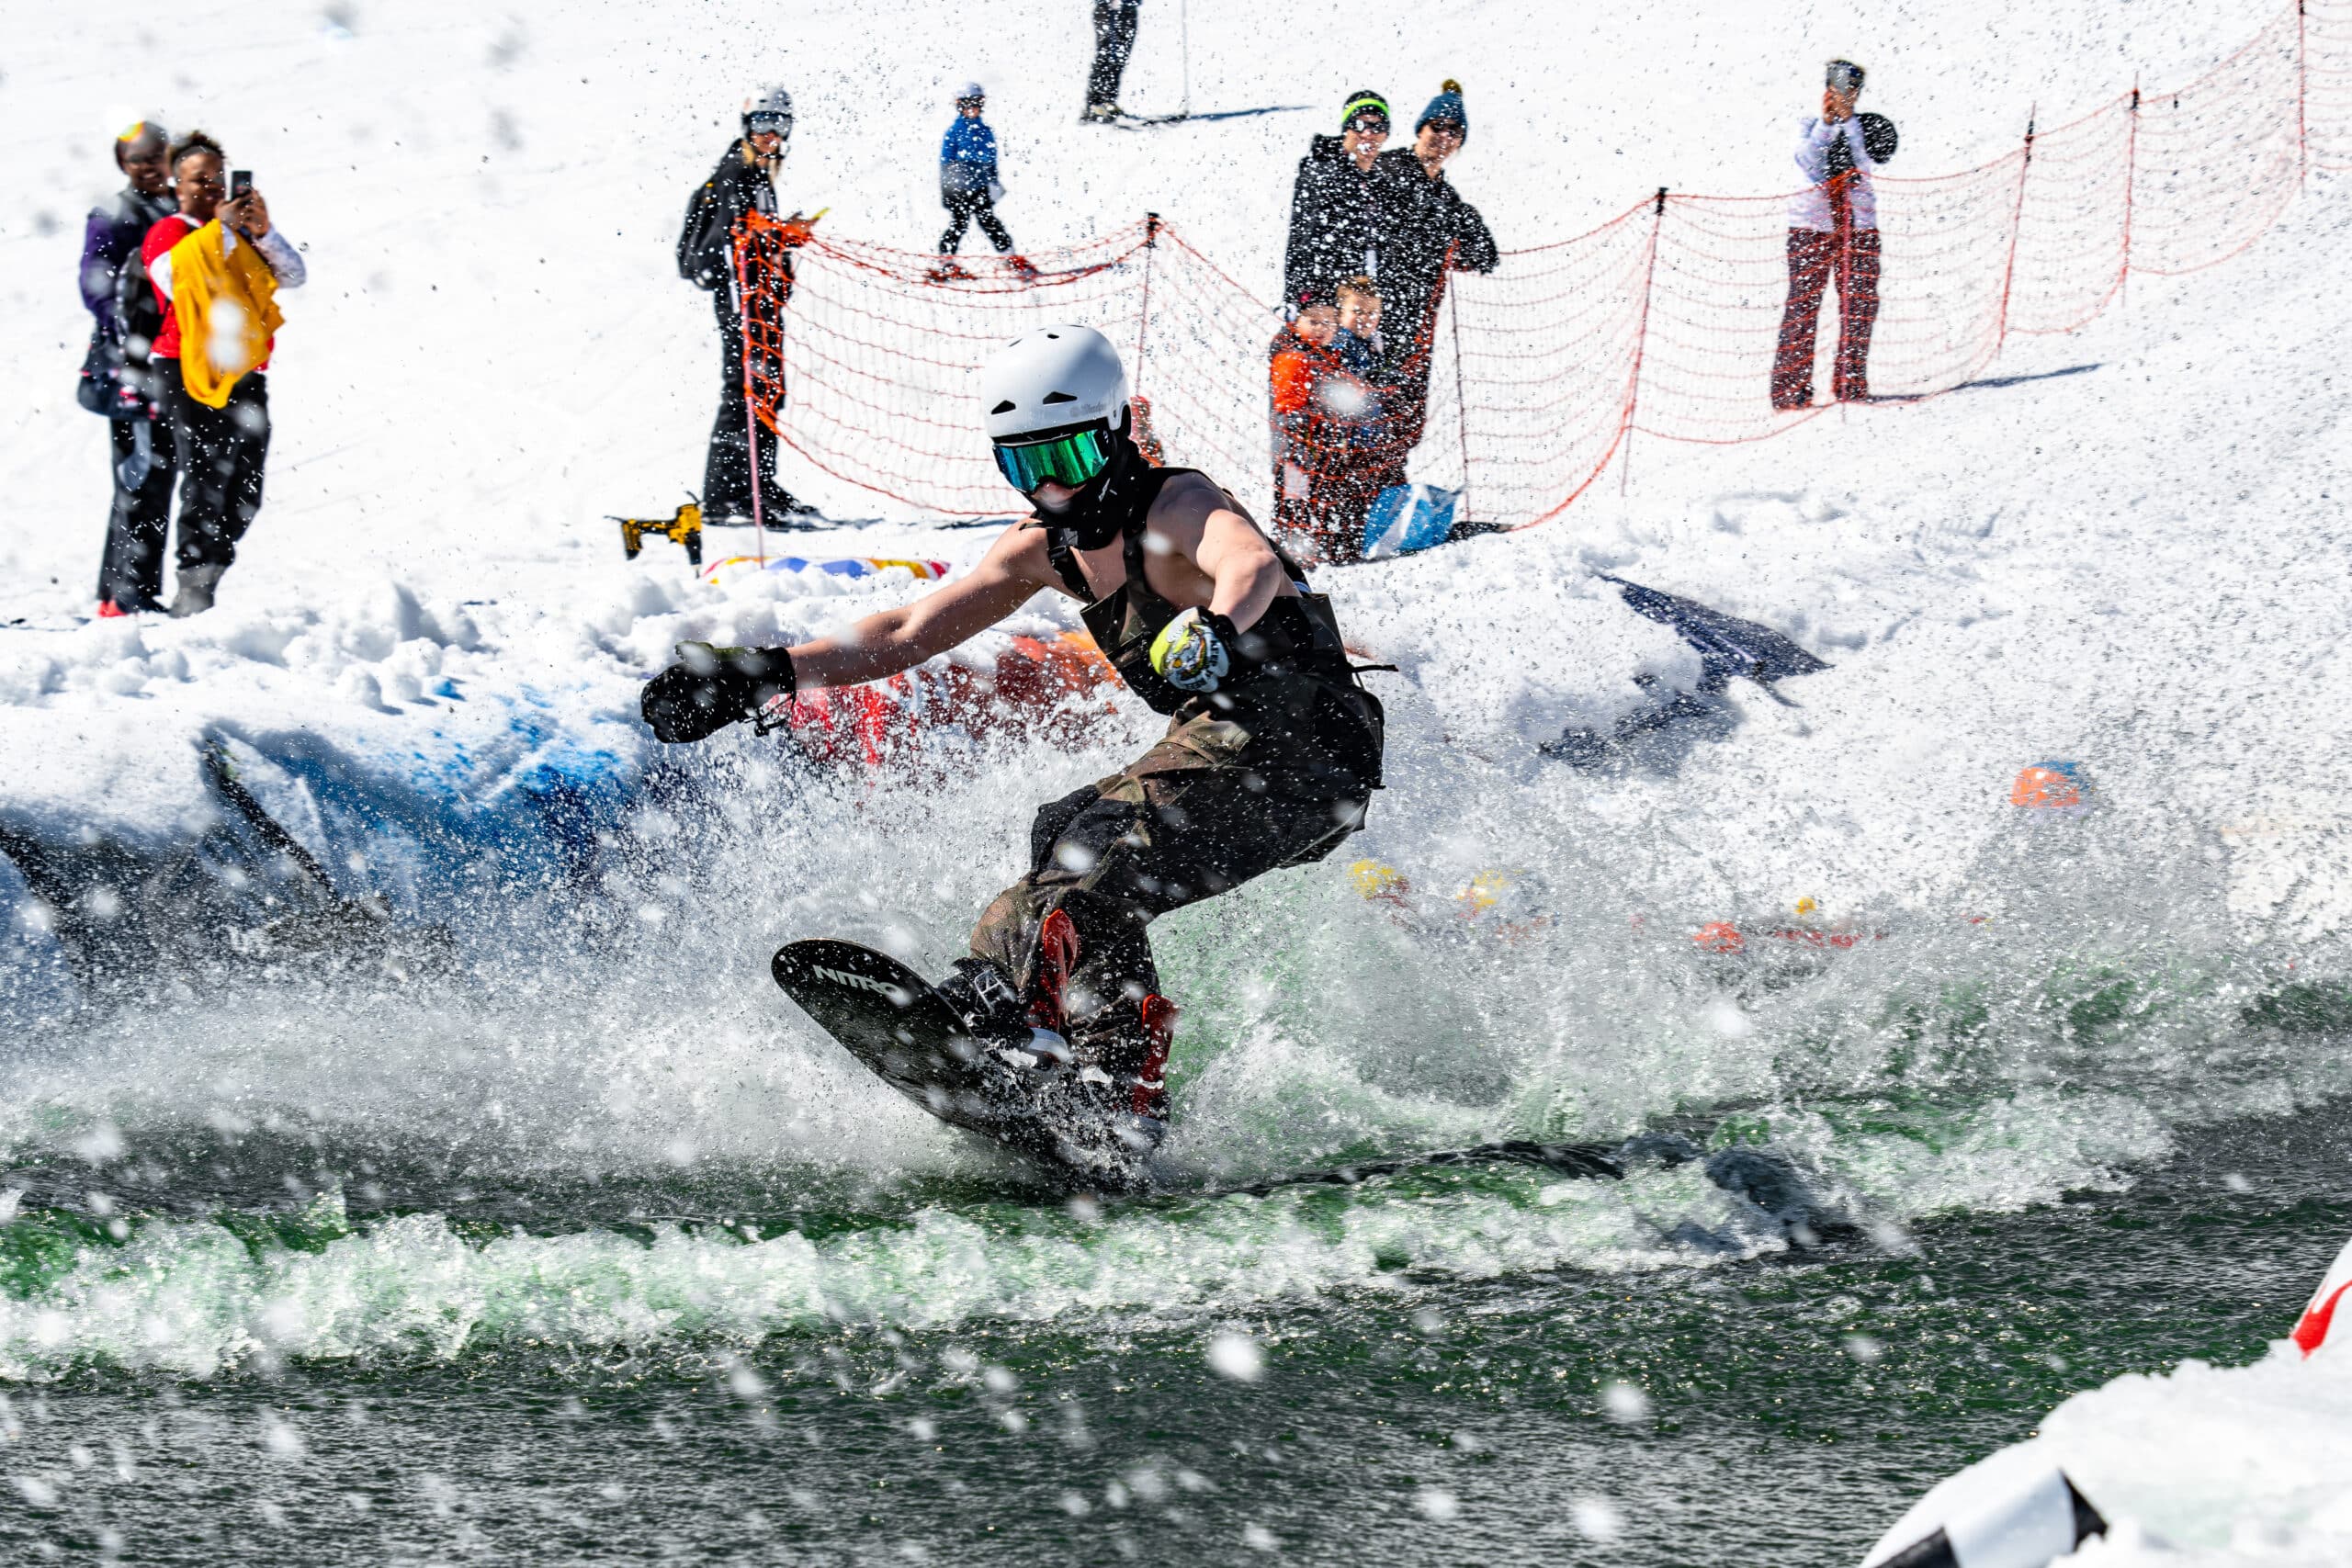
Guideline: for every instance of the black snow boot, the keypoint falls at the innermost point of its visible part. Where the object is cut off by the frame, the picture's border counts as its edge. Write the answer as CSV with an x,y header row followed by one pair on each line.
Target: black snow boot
x,y
197,587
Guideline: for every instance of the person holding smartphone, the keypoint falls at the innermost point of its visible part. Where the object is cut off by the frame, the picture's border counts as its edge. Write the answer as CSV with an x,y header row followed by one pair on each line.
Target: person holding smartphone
x,y
1832,237
220,249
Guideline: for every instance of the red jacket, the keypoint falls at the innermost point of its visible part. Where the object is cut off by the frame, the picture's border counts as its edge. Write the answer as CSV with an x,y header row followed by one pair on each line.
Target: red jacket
x,y
170,231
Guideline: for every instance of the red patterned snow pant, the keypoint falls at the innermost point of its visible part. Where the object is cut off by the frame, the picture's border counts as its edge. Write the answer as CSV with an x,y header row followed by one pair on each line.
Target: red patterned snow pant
x,y
1815,258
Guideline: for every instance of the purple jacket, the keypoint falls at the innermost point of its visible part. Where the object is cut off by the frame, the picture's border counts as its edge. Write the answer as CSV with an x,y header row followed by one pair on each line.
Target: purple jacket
x,y
112,237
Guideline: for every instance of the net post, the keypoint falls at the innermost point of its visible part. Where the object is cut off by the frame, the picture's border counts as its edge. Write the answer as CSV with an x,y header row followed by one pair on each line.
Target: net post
x,y
1184,54
1641,344
1143,313
750,415
2130,185
2302,94
2017,221
1461,390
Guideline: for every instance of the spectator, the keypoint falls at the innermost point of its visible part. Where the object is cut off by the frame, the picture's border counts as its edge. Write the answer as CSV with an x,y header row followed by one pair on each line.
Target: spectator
x,y
1833,232
125,322
970,187
743,182
1334,216
1359,343
215,268
1317,408
1426,231
1114,39
1359,478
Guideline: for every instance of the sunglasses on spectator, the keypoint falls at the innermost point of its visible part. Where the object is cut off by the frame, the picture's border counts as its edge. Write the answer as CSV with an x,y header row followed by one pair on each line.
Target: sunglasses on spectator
x,y
1370,124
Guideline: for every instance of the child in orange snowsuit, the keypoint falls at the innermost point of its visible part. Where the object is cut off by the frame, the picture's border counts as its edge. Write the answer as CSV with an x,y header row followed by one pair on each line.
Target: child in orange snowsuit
x,y
1316,403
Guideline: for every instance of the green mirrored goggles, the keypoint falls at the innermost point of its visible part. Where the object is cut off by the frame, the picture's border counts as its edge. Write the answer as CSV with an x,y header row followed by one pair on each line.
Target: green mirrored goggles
x,y
1069,460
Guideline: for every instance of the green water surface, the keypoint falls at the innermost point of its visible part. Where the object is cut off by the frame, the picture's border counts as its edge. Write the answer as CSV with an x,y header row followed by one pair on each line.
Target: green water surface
x,y
1780,1411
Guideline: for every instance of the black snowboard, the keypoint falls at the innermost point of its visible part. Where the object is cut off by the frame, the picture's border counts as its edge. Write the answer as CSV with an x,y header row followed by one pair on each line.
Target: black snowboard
x,y
889,1017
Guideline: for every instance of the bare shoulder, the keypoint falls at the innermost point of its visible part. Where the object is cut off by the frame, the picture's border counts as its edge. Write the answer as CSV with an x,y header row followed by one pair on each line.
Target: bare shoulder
x,y
1019,554
1184,504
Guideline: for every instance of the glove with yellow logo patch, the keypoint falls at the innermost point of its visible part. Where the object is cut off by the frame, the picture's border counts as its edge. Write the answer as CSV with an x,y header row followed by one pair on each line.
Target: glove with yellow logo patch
x,y
1190,653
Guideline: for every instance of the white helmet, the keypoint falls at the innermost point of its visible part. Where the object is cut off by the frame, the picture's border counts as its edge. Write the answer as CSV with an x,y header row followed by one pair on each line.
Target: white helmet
x,y
971,90
772,110
1053,378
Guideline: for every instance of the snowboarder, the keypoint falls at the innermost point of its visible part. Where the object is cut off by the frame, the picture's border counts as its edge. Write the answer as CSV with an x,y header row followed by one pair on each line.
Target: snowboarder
x,y
969,188
115,375
743,182
1270,759
1833,234
1114,39
1334,210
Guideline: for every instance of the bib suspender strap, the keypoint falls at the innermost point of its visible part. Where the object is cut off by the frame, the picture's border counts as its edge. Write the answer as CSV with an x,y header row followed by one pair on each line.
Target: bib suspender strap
x,y
1065,561
1131,556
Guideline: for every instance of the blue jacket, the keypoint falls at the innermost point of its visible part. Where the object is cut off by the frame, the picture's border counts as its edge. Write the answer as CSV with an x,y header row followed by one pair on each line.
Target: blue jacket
x,y
968,156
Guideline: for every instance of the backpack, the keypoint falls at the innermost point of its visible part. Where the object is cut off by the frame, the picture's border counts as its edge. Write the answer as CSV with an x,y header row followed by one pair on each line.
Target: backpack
x,y
702,258
1878,137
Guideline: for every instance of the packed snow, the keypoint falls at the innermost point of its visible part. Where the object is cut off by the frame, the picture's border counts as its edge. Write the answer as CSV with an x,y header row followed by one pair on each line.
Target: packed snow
x,y
2140,565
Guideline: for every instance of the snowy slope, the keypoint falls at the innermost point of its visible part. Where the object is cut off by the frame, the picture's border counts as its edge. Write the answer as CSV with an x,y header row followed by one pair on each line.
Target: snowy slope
x,y
2141,566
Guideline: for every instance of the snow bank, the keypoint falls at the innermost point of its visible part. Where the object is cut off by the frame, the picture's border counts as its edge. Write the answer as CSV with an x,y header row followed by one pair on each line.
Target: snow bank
x,y
2203,1467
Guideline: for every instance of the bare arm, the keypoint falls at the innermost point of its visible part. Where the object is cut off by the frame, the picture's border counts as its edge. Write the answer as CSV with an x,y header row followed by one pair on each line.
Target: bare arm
x,y
891,640
1242,565
1238,572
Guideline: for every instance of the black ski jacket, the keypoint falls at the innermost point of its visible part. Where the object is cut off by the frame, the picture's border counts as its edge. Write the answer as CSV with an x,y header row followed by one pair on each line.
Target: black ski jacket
x,y
1334,222
738,185
1420,220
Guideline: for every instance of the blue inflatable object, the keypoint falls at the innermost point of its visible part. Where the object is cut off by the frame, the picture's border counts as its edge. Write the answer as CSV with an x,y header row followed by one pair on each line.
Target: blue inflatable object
x,y
1406,518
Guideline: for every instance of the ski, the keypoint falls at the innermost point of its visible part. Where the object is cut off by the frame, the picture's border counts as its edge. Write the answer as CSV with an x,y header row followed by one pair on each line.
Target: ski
x,y
1183,117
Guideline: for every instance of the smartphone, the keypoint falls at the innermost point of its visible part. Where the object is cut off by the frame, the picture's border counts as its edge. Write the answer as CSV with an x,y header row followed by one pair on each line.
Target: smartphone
x,y
240,182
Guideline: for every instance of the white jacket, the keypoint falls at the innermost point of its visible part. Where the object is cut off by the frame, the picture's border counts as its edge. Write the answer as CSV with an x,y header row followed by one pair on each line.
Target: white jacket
x,y
1810,209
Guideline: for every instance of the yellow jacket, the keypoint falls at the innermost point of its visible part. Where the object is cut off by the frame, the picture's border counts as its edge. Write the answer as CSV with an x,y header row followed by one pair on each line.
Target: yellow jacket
x,y
226,301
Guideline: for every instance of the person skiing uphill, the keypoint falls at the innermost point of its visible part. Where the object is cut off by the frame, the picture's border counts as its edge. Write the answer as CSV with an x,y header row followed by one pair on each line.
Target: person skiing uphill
x,y
969,186
1272,749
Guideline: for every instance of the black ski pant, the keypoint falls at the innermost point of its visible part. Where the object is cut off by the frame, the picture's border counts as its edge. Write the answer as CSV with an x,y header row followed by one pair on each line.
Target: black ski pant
x,y
1114,39
1189,819
221,454
726,468
131,570
963,206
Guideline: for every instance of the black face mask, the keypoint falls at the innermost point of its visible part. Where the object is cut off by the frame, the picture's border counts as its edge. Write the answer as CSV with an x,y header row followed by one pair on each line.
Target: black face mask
x,y
1108,504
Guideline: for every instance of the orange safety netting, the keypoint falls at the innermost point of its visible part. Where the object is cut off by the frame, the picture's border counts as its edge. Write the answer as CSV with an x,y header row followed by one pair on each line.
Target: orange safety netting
x,y
1664,321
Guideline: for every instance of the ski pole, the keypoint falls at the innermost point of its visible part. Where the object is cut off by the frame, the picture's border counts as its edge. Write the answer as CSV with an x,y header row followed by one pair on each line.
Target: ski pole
x,y
1184,52
750,417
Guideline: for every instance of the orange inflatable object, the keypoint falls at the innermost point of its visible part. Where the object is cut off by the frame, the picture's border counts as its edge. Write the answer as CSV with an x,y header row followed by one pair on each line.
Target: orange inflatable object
x,y
881,722
1719,936
2048,786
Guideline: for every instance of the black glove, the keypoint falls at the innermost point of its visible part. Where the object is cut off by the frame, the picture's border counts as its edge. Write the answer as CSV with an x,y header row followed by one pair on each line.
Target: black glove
x,y
710,688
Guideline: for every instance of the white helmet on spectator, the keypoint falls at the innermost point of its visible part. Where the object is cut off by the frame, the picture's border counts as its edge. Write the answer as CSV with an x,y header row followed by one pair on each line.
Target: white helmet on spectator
x,y
972,93
772,110
1054,397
